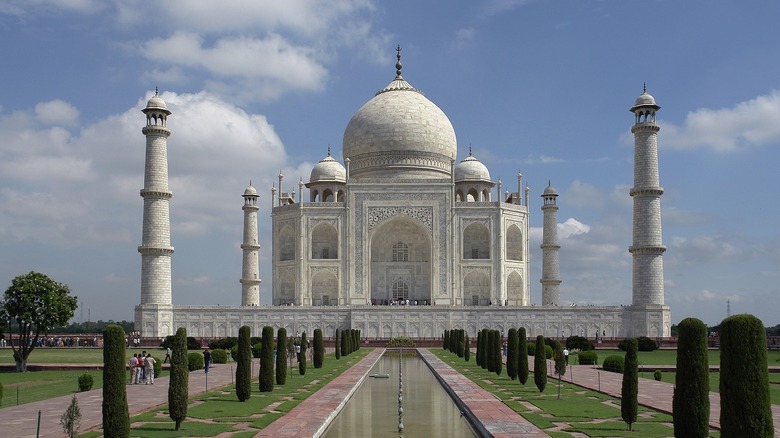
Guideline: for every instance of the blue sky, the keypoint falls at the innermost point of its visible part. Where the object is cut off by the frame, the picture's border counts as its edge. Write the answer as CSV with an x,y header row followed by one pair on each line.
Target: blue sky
x,y
539,87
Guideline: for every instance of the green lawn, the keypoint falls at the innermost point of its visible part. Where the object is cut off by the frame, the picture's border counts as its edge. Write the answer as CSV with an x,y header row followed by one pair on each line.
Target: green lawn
x,y
578,411
219,411
774,384
73,355
669,357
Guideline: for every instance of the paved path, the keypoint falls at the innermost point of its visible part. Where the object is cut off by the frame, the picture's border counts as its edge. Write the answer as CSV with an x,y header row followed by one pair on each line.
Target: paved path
x,y
653,394
21,421
498,419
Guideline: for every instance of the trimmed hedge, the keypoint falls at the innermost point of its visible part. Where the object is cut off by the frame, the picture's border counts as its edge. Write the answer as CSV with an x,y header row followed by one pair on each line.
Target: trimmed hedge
x,y
219,356
745,407
511,353
691,402
401,342
645,344
302,362
540,367
319,348
178,387
522,356
615,364
85,382
116,417
195,361
629,401
579,343
243,364
658,375
266,378
589,357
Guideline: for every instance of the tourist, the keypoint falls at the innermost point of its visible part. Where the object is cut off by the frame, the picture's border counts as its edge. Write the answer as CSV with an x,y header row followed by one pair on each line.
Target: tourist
x,y
133,364
142,365
167,355
566,355
206,359
149,362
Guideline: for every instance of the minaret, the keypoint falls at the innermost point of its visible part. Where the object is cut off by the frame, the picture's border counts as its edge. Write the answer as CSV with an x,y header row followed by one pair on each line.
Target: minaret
x,y
156,249
250,272
647,249
551,276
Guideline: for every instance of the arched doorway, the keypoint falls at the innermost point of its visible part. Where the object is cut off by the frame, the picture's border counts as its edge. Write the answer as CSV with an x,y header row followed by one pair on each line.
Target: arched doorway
x,y
400,262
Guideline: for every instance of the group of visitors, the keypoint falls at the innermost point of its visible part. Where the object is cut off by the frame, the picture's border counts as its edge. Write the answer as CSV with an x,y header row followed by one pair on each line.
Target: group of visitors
x,y
141,368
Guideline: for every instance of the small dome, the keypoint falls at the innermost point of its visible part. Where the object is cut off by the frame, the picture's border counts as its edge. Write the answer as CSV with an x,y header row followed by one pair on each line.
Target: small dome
x,y
644,99
156,102
328,170
550,191
471,169
250,191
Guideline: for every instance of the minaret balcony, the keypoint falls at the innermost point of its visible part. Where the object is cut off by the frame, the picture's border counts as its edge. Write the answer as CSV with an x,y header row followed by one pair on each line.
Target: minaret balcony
x,y
160,194
647,249
155,250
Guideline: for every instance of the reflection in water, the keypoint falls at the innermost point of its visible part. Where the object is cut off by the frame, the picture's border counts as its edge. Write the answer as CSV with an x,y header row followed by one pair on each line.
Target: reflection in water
x,y
373,410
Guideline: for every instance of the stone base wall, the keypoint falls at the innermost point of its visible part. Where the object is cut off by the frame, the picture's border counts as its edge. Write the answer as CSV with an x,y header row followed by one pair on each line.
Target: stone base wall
x,y
418,322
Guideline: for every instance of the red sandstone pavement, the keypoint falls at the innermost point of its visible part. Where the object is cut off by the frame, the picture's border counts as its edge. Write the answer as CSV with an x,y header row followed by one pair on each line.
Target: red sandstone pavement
x,y
652,394
21,421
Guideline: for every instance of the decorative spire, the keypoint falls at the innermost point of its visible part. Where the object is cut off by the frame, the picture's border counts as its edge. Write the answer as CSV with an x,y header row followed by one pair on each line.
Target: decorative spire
x,y
398,64
328,149
156,91
469,149
250,182
644,87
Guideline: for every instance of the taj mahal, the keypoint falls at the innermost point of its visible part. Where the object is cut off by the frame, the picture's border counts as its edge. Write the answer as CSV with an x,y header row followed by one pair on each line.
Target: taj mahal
x,y
402,239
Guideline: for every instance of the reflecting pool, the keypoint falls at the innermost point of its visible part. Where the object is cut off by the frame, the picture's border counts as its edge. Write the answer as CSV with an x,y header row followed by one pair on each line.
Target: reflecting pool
x,y
373,410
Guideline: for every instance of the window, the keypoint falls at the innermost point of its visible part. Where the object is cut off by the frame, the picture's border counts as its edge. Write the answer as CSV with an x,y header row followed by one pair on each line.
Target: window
x,y
474,253
326,300
325,253
400,252
475,300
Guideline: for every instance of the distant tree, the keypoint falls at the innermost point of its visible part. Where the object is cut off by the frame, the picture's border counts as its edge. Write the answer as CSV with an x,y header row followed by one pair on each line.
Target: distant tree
x,y
302,362
497,352
338,344
629,403
745,407
244,365
31,305
467,350
579,343
446,340
522,356
485,348
344,346
266,379
116,417
178,385
691,402
540,365
511,353
319,348
281,356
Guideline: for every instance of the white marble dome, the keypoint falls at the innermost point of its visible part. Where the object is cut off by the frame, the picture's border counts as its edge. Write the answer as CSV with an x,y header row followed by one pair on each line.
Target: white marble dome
x,y
250,191
400,134
328,170
471,169
157,103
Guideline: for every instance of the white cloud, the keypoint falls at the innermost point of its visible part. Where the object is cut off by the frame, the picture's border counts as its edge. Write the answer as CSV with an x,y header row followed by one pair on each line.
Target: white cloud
x,y
747,125
495,7
572,227
57,112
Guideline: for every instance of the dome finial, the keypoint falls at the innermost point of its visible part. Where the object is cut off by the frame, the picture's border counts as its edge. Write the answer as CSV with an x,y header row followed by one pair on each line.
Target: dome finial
x,y
328,149
644,87
398,64
469,149
156,91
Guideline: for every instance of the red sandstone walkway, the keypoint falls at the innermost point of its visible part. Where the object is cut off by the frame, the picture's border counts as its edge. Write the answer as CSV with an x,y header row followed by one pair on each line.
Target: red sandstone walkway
x,y
652,394
21,421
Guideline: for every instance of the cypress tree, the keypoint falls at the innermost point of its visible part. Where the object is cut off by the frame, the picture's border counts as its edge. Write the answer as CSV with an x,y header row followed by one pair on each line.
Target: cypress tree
x,y
281,356
485,348
691,402
116,418
490,356
560,360
511,354
319,348
498,357
467,351
459,338
302,362
338,344
479,341
244,365
540,364
629,405
446,340
178,385
266,379
344,338
356,344
522,356
745,407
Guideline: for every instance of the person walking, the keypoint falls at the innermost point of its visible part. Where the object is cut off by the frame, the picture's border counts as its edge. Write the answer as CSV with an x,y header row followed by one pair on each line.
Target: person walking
x,y
167,355
207,359
566,355
149,369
